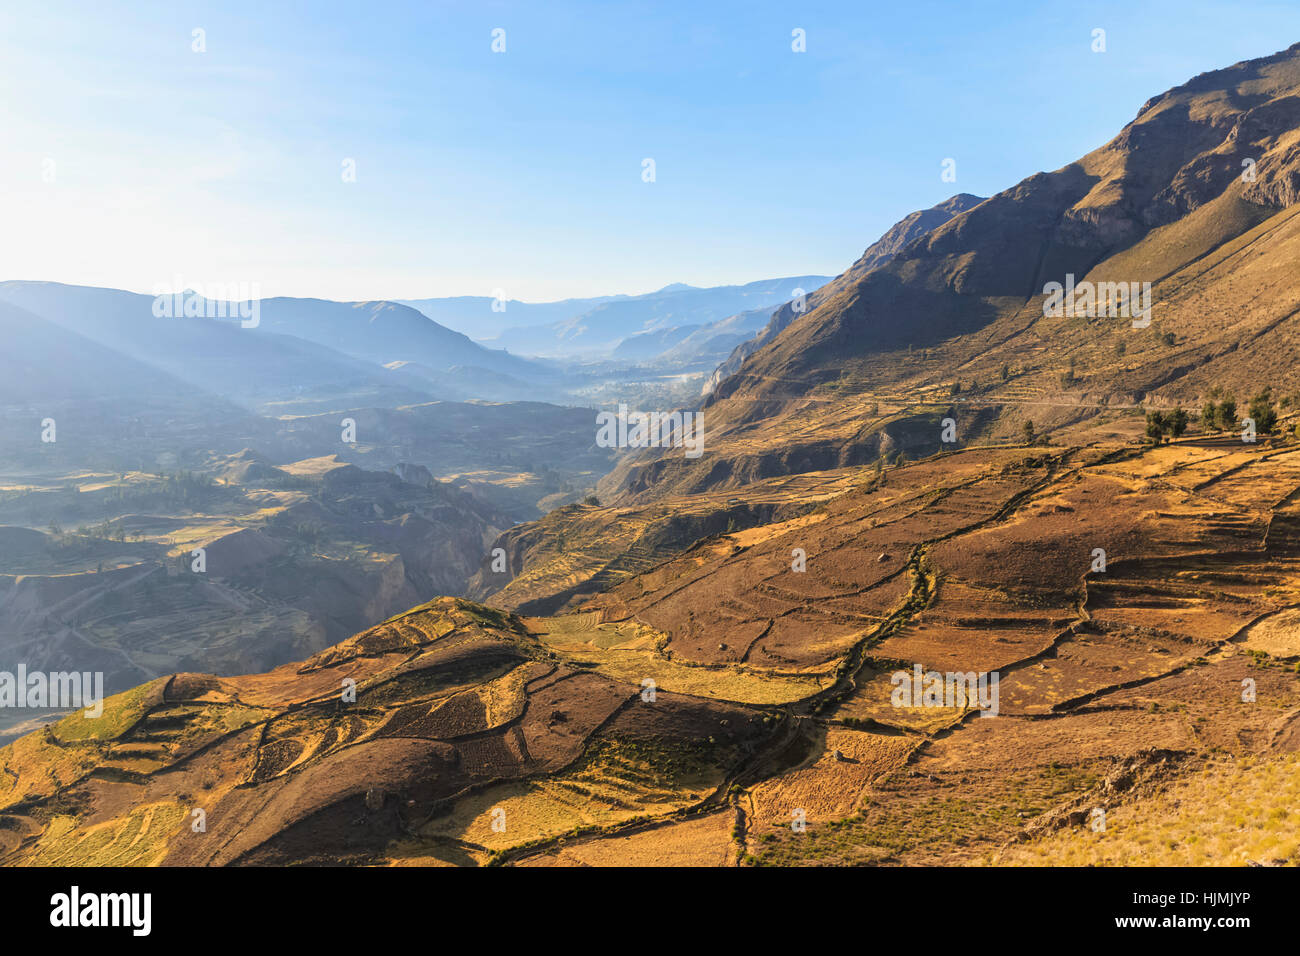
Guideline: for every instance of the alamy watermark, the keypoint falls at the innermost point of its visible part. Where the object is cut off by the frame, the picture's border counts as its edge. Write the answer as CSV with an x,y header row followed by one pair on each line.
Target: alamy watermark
x,y
129,910
212,300
624,429
1107,300
65,690
923,688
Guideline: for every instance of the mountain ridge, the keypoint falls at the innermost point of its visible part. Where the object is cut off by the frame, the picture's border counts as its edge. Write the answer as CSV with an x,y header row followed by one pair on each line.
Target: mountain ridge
x,y
891,243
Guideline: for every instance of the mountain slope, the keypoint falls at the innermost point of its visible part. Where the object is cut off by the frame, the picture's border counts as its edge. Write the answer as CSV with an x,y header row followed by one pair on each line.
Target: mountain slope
x,y
282,575
43,362
385,332
898,236
717,340
1164,202
705,670
100,400
455,704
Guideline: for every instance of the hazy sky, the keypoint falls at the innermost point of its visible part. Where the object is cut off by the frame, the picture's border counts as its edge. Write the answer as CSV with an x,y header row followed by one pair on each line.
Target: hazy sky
x,y
128,159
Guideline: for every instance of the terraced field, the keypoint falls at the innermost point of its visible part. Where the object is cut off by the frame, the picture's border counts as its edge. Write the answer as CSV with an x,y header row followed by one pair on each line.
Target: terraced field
x,y
735,700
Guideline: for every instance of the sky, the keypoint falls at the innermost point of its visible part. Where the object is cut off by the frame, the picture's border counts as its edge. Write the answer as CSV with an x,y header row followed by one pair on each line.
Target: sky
x,y
129,158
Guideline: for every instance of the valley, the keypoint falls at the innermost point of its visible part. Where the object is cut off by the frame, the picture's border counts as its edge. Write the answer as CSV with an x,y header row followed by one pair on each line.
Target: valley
x,y
370,591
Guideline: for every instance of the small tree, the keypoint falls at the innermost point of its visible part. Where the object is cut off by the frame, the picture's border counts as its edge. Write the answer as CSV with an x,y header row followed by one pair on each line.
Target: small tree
x,y
1156,426
1177,422
1228,413
1263,412
1209,415
1004,373
1027,431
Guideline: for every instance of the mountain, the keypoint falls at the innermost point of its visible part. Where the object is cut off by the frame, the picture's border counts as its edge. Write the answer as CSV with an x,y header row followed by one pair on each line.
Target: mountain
x,y
246,366
460,699
385,332
647,345
695,345
476,316
102,403
958,316
44,363
299,349
599,330
505,322
899,235
694,701
714,342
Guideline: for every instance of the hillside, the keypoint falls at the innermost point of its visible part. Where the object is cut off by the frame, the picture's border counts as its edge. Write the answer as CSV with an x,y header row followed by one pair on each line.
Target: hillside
x,y
896,238
479,736
957,319
85,371
100,401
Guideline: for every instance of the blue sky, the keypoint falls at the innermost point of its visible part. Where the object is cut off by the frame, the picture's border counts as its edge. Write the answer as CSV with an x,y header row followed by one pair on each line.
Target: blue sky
x,y
129,160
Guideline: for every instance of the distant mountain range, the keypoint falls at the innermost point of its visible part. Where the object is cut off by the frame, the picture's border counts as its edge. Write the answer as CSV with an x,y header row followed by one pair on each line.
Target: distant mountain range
x,y
633,327
475,315
308,355
297,344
